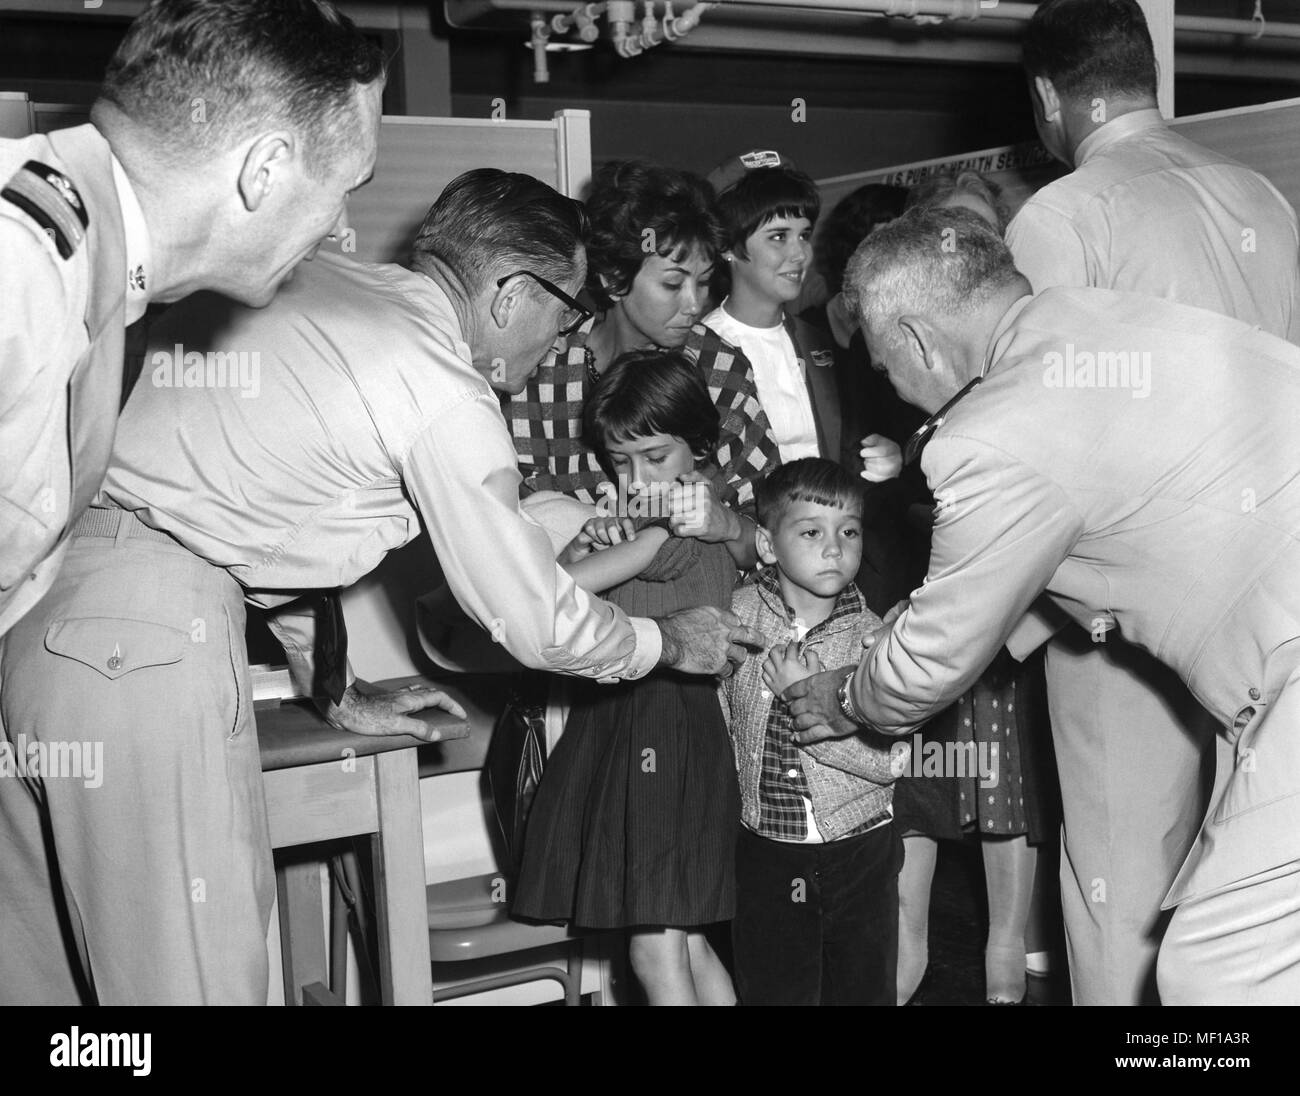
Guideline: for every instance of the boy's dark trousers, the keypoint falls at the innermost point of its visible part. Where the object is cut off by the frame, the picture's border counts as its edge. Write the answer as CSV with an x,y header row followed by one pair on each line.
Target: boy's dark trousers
x,y
817,924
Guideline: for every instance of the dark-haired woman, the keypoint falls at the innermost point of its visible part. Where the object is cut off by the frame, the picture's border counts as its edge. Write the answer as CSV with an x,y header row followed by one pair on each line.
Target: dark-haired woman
x,y
654,240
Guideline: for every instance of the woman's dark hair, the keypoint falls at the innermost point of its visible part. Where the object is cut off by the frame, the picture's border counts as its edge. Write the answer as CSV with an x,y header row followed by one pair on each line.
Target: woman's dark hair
x,y
1091,47
762,194
759,196
851,222
811,479
638,209
200,75
648,392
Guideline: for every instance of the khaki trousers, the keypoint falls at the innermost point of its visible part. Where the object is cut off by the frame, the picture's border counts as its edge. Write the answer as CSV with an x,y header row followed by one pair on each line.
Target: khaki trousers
x,y
1135,755
1237,946
150,880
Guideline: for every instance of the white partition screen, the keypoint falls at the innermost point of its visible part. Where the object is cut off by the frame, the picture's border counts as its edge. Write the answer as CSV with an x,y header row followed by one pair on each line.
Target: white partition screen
x,y
420,156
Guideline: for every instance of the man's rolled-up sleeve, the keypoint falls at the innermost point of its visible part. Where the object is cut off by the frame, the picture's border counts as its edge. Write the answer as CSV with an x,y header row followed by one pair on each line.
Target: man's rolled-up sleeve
x,y
500,565
1001,530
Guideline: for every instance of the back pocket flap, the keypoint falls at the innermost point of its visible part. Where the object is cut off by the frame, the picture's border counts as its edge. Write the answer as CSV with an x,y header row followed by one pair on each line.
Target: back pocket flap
x,y
115,646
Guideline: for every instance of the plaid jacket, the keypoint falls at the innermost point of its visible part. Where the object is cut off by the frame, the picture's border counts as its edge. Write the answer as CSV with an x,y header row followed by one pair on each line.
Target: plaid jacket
x,y
849,780
546,421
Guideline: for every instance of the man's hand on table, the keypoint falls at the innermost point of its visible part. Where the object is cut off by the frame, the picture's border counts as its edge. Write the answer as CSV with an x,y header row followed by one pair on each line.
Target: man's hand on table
x,y
706,640
388,713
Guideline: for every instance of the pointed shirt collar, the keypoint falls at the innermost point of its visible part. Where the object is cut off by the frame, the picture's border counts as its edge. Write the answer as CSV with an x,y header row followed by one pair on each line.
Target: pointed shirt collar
x,y
1114,131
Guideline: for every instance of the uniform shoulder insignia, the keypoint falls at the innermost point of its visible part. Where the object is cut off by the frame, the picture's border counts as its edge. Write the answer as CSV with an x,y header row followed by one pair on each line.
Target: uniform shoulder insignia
x,y
49,198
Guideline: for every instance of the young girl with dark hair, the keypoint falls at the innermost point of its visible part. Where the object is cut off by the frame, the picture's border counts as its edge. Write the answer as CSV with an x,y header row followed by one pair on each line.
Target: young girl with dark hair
x,y
635,822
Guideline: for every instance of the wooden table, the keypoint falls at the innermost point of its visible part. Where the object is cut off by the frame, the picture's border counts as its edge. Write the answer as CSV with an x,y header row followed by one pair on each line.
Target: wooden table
x,y
323,784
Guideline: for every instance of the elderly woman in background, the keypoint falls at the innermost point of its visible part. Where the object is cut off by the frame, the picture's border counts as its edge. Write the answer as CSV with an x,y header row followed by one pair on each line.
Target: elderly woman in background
x,y
1005,717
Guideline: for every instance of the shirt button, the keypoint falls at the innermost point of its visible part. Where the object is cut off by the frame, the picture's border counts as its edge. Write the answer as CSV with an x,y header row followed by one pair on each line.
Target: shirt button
x,y
114,663
765,693
792,773
1254,694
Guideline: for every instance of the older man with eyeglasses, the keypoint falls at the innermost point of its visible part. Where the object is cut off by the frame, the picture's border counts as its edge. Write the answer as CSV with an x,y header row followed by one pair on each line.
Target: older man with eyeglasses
x,y
364,406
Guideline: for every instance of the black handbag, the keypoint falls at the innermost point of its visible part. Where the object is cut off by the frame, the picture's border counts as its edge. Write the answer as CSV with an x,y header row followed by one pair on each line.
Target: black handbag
x,y
515,759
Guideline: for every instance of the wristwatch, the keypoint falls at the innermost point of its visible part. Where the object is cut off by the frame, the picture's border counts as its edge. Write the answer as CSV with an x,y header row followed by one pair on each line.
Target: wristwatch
x,y
846,698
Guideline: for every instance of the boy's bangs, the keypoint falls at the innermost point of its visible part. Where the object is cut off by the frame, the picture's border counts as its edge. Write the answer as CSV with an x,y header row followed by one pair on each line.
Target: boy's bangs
x,y
840,500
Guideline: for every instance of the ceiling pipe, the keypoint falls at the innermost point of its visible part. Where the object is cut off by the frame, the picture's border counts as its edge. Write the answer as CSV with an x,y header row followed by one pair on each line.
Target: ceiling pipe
x,y
1197,24
582,19
679,26
964,10
541,32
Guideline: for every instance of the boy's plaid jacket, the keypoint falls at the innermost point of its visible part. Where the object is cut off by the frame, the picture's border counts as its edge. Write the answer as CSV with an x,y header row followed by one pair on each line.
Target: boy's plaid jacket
x,y
850,780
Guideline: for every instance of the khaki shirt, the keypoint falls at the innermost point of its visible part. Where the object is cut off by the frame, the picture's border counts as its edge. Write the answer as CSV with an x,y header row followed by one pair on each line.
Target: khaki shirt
x,y
297,444
1149,211
63,287
1136,461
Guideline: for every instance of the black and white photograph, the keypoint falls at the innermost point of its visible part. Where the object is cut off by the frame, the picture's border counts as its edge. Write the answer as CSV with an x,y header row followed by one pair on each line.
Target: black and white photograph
x,y
527,503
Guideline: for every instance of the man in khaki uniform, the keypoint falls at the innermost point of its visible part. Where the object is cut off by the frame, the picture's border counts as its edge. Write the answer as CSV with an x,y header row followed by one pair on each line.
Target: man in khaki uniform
x,y
1135,461
99,221
1145,210
221,151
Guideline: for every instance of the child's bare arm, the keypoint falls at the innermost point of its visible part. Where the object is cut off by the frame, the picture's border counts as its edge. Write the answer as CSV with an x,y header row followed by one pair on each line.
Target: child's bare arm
x,y
600,570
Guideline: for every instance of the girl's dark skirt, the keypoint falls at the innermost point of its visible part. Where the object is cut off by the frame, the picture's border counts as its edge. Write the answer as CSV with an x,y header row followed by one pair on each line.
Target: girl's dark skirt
x,y
636,818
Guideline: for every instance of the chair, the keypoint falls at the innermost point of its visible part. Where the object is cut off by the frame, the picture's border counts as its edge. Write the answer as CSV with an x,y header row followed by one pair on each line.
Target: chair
x,y
469,921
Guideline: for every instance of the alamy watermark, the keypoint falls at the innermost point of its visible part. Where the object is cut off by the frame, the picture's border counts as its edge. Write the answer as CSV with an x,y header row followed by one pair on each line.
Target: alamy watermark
x,y
181,368
1075,368
929,757
637,500
82,761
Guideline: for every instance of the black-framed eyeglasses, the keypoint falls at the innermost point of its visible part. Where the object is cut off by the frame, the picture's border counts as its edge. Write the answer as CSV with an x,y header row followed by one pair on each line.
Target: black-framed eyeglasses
x,y
574,315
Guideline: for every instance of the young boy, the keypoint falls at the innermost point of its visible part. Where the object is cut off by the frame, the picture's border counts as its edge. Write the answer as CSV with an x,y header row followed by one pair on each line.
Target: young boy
x,y
818,858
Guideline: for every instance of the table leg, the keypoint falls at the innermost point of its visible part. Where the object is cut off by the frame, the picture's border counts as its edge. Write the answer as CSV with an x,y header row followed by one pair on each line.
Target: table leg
x,y
406,977
302,937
